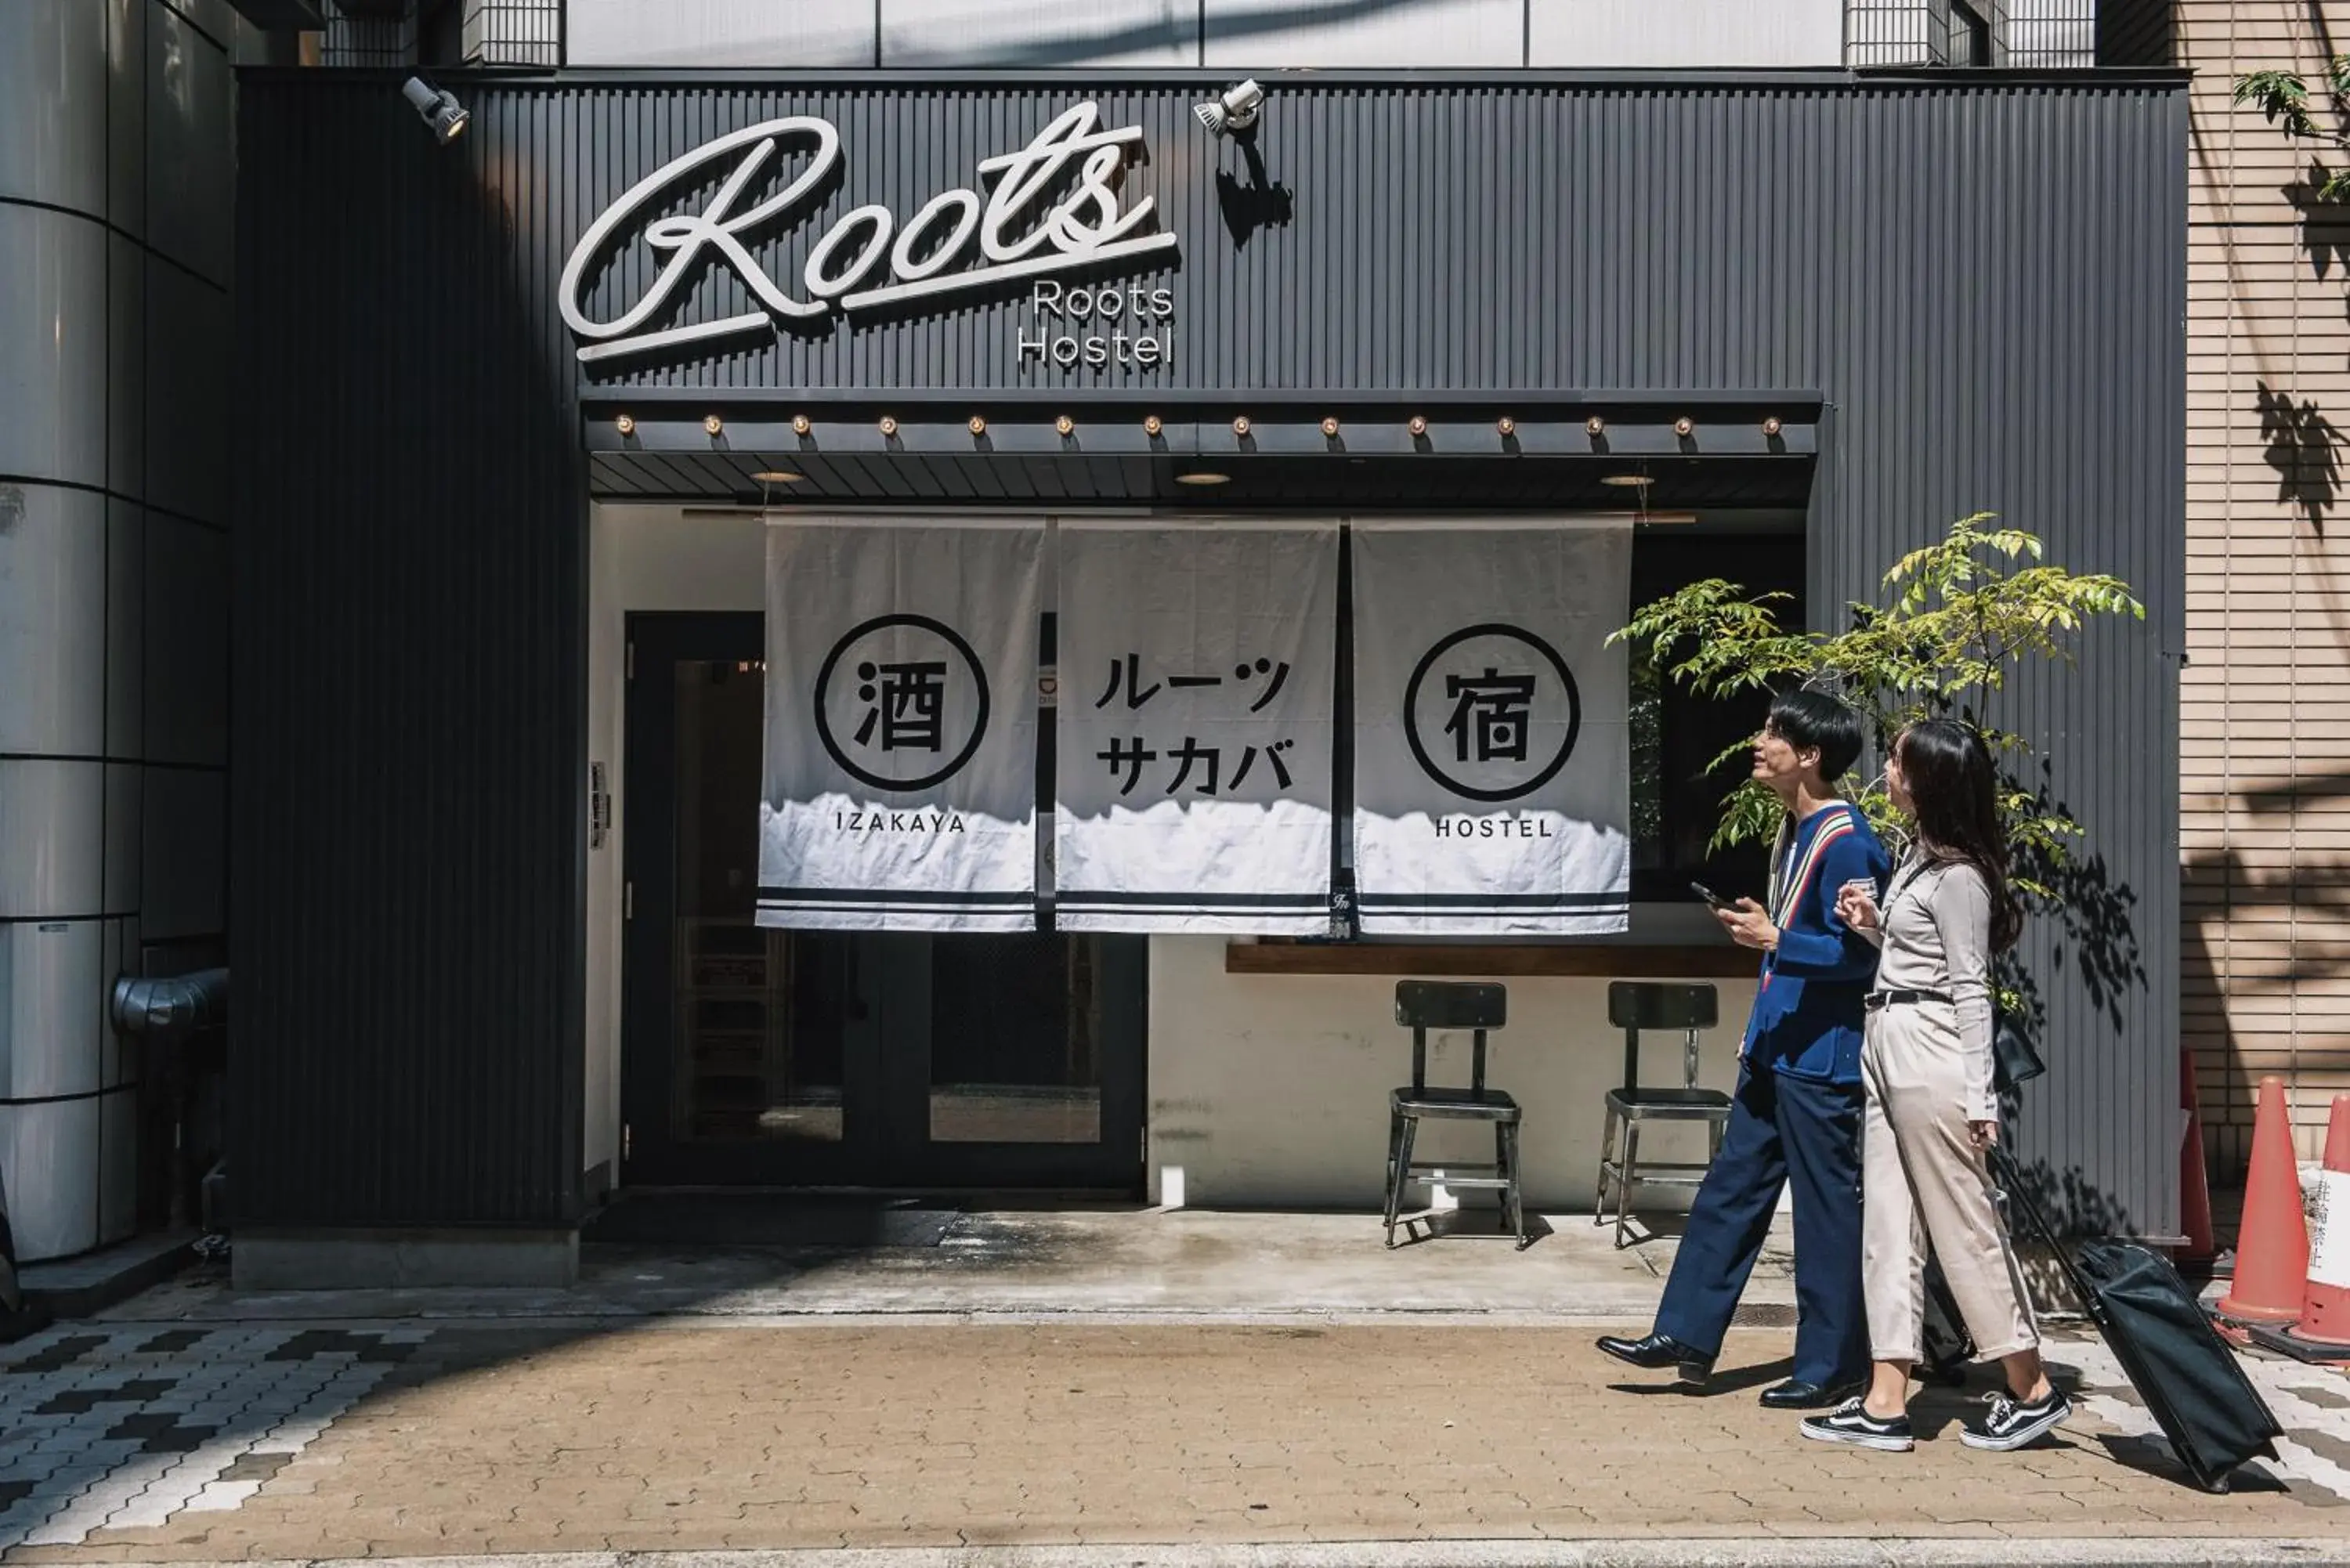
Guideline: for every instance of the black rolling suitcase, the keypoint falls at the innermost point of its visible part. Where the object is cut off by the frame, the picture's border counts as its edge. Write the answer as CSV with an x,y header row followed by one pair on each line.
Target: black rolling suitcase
x,y
2179,1366
1949,1349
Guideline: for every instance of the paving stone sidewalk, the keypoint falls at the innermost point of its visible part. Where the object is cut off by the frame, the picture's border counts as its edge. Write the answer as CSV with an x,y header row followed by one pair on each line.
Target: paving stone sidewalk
x,y
146,1442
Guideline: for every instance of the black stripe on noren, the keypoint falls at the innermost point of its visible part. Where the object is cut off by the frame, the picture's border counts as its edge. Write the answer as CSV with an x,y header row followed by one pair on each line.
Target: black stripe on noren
x,y
959,911
896,895
990,910
1069,900
1497,900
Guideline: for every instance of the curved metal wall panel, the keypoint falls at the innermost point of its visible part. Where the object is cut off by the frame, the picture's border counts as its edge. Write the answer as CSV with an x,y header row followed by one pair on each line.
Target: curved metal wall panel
x,y
52,346
52,837
49,1153
1984,278
53,78
52,620
185,439
50,1030
126,113
191,216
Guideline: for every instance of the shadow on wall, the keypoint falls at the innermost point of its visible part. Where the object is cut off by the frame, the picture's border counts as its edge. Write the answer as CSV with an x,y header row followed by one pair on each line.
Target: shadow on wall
x,y
2098,941
2226,883
2304,447
2325,225
1261,204
2095,943
1140,36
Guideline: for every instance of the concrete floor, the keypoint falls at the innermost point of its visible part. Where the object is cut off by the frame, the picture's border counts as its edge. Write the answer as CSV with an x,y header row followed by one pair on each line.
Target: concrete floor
x,y
907,1260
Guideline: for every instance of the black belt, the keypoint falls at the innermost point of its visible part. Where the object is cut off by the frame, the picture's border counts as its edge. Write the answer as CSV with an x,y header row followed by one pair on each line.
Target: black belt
x,y
1877,999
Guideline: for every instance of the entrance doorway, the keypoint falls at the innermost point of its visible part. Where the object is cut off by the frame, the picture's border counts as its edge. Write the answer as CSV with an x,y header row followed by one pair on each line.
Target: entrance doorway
x,y
837,1058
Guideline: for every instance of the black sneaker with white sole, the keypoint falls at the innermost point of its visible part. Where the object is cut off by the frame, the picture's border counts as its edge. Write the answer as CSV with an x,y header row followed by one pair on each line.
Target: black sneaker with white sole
x,y
1850,1422
2014,1423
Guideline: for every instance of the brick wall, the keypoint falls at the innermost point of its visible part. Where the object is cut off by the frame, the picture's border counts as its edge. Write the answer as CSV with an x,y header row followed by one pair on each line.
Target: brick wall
x,y
2265,702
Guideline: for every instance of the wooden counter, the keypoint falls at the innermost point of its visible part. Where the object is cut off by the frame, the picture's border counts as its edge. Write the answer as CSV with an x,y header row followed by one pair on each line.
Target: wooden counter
x,y
1706,960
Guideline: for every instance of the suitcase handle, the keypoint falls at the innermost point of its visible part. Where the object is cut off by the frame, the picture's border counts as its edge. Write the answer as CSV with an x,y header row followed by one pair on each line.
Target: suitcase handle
x,y
2011,1179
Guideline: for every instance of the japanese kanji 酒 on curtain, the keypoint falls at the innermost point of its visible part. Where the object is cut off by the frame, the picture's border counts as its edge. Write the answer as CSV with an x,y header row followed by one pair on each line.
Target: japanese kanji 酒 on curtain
x,y
899,776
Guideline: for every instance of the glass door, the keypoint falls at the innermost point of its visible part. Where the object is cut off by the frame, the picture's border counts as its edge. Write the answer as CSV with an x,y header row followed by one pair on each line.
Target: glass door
x,y
837,1058
749,1052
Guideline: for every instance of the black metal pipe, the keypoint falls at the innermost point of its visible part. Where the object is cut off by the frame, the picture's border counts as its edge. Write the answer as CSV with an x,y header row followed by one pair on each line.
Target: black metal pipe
x,y
169,1007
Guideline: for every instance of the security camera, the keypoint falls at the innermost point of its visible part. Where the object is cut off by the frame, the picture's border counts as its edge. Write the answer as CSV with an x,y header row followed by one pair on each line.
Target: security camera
x,y
438,110
1235,110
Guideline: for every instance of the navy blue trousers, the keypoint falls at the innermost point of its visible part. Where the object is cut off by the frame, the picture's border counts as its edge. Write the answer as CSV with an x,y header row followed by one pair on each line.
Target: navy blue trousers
x,y
1781,1130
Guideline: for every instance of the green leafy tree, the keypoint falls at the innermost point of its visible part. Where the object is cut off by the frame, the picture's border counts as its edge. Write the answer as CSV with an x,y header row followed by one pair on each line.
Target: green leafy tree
x,y
1959,617
2282,98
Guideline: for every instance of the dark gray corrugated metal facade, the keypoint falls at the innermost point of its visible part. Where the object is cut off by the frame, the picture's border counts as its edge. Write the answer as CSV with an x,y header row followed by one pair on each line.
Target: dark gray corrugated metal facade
x,y
1984,279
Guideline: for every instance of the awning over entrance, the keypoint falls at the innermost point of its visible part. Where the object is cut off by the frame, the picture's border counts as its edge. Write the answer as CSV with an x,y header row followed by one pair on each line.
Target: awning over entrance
x,y
1653,453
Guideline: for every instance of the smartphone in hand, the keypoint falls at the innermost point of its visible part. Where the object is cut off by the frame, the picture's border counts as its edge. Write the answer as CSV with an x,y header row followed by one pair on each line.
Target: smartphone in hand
x,y
1711,897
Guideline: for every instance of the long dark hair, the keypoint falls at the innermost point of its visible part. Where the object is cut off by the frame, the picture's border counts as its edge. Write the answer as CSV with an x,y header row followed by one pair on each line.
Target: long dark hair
x,y
1955,796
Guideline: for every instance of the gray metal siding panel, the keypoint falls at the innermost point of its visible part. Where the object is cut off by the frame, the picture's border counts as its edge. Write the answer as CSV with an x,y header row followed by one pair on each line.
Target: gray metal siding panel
x,y
1985,279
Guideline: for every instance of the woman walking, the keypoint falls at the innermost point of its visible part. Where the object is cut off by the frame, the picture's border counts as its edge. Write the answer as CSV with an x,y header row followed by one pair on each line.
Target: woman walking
x,y
1931,1116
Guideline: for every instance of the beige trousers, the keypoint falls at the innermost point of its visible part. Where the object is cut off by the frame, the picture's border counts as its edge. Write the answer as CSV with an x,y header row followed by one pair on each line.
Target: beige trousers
x,y
1923,1181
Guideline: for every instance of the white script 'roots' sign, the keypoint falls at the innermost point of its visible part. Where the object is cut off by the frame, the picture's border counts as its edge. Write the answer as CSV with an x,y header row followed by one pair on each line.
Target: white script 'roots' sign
x,y
1492,794
1054,208
1197,668
900,767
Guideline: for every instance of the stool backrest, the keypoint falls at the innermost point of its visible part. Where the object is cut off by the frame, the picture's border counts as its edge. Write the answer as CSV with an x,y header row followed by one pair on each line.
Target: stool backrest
x,y
1421,1005
1635,1005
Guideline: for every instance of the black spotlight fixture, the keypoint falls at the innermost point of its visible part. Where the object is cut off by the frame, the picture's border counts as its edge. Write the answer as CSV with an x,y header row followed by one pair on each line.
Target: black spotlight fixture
x,y
438,109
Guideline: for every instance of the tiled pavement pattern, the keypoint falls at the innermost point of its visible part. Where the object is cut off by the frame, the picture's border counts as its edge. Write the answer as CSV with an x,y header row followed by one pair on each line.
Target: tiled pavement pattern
x,y
107,1427
242,1441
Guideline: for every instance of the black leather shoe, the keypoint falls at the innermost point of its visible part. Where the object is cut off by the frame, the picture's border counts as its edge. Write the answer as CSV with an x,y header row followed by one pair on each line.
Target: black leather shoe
x,y
1658,1350
1796,1394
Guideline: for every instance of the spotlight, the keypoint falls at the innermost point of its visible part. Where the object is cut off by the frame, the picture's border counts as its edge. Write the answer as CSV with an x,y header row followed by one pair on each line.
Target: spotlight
x,y
437,109
1233,111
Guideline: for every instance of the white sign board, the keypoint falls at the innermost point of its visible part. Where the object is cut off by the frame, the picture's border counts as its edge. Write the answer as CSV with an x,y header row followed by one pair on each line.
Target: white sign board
x,y
1198,673
900,777
1491,752
957,242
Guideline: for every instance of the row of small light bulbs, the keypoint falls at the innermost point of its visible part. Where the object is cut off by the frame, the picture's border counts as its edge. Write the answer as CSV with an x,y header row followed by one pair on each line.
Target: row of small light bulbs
x,y
1152,425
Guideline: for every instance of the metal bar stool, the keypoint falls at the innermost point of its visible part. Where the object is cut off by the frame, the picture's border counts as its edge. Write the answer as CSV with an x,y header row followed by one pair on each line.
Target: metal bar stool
x,y
1633,1006
1421,1005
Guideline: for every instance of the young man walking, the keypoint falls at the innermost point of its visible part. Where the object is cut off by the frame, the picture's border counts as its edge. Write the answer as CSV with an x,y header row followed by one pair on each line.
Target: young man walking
x,y
1797,1114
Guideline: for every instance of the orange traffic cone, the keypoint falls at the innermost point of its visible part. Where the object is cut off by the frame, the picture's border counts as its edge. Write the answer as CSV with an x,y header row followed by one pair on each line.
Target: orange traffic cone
x,y
2326,1300
2273,1243
2194,1183
2324,1331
